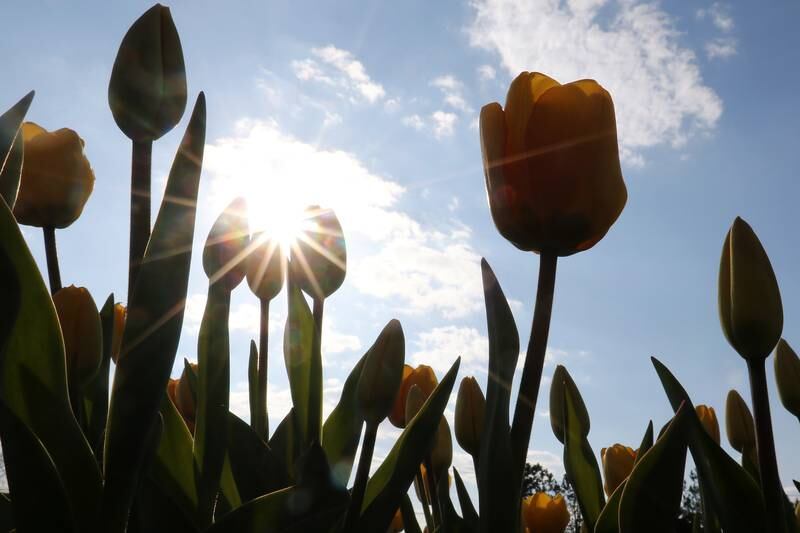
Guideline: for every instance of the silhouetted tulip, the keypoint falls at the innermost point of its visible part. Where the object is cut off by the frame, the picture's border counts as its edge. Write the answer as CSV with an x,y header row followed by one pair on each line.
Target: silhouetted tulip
x,y
82,332
56,178
562,381
708,417
320,257
470,414
397,523
542,513
226,247
266,267
172,386
422,376
415,399
382,373
750,306
120,315
551,163
147,91
618,463
787,377
442,451
739,423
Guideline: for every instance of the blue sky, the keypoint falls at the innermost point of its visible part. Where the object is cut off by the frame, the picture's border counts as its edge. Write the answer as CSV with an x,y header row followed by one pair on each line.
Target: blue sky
x,y
371,108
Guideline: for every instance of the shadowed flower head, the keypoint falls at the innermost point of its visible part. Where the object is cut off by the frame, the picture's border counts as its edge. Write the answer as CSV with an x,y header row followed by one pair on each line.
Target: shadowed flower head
x,y
708,417
618,463
424,378
542,513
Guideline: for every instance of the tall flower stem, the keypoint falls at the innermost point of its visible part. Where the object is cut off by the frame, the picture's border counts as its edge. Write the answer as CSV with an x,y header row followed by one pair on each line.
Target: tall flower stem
x,y
141,161
534,362
362,475
53,272
433,490
262,418
424,493
315,400
765,446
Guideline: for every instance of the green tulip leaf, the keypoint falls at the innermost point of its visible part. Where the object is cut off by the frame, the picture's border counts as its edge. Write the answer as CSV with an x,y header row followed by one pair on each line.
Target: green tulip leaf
x,y
393,477
11,149
608,521
11,171
153,327
33,381
154,506
410,524
652,496
95,398
498,486
467,509
580,463
6,513
304,375
342,430
733,494
646,444
255,468
285,443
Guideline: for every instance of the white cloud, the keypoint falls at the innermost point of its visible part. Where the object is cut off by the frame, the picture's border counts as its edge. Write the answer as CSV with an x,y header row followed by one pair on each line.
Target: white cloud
x,y
725,46
414,121
391,105
630,47
444,123
720,16
452,91
440,346
339,68
721,48
486,72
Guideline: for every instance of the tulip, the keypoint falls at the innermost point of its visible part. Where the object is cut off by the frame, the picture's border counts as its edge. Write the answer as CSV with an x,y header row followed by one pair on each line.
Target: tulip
x,y
172,386
551,163
618,463
319,256
120,315
226,247
56,178
470,414
562,382
739,423
750,306
147,91
708,417
382,374
415,399
442,451
185,397
787,377
422,376
266,267
542,513
82,333
397,523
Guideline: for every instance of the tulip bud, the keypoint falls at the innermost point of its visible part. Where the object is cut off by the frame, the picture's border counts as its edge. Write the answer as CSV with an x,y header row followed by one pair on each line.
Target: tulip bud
x,y
542,513
422,376
739,423
226,247
415,399
56,178
750,306
320,256
708,417
82,332
147,91
442,451
470,413
120,315
382,373
787,377
266,267
618,461
172,386
185,397
397,522
562,382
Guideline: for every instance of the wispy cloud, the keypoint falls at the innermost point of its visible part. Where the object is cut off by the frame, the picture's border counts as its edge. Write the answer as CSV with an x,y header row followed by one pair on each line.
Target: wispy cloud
x,y
444,123
724,46
452,91
340,69
486,72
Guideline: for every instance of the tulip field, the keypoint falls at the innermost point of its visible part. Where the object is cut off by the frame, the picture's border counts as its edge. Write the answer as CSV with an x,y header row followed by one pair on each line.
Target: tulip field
x,y
97,437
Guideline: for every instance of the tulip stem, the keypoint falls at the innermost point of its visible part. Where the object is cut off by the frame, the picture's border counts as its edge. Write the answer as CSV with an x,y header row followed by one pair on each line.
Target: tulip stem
x,y
433,491
315,399
262,419
53,272
362,475
426,500
765,446
141,160
534,362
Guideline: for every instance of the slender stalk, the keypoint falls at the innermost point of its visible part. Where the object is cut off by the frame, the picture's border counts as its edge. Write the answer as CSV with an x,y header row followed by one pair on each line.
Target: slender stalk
x,y
262,418
765,447
362,475
426,500
315,400
53,272
534,362
433,491
141,160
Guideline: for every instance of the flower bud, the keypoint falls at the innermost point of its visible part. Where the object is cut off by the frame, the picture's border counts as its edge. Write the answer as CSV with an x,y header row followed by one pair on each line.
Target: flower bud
x,y
382,373
415,399
418,489
397,522
442,451
422,376
542,513
750,306
82,332
470,413
185,397
562,381
320,256
147,91
120,315
226,247
787,377
618,463
172,386
708,417
266,267
739,423
56,178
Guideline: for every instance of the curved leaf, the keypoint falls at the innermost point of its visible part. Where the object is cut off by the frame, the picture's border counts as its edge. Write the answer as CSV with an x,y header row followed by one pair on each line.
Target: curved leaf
x,y
95,399
285,443
467,509
11,149
298,356
410,524
255,468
